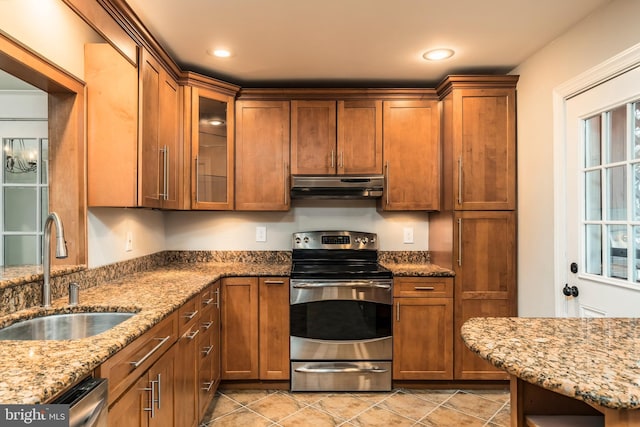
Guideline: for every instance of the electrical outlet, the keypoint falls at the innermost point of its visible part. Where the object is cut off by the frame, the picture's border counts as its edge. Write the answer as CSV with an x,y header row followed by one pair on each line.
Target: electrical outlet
x,y
407,235
261,234
128,246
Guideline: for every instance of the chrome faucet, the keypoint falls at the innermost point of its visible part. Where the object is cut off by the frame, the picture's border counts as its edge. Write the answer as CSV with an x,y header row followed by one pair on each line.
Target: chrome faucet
x,y
61,252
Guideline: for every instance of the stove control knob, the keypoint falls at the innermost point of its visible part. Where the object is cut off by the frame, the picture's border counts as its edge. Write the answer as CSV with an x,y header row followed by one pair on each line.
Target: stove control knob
x,y
358,240
306,240
365,240
373,240
297,240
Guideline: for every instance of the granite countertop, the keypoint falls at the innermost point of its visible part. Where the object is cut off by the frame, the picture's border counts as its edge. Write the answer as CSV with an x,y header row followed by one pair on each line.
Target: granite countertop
x,y
34,371
418,270
596,360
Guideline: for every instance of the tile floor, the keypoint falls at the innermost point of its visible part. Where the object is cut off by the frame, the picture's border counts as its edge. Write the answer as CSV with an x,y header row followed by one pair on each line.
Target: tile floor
x,y
402,407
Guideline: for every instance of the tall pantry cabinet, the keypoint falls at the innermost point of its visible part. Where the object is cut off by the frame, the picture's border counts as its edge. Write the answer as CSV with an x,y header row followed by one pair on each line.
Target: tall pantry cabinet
x,y
475,231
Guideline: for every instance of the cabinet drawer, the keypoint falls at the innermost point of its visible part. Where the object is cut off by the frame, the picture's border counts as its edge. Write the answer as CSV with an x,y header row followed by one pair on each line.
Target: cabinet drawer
x,y
423,287
208,328
188,315
209,297
127,365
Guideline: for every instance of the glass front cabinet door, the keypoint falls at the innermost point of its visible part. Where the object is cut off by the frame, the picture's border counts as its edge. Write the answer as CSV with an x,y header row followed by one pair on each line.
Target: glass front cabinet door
x,y
212,148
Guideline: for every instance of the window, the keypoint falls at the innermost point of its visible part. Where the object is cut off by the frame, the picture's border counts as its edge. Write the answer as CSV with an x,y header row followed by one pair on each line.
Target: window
x,y
611,177
24,198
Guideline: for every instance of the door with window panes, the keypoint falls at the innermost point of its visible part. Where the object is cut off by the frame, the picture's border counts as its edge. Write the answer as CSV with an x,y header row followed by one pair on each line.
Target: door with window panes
x,y
603,198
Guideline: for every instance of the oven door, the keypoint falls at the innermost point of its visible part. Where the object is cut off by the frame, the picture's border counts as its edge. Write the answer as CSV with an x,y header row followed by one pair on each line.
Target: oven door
x,y
341,320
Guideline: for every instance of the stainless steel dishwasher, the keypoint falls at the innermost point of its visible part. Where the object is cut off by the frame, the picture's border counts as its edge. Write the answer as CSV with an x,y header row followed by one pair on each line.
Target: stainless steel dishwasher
x,y
87,403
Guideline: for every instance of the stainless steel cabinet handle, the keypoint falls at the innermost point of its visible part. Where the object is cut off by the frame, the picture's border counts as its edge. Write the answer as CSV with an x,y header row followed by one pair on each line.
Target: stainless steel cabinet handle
x,y
165,172
192,335
207,350
207,325
274,282
197,181
151,389
460,180
286,184
398,311
153,350
159,391
353,284
207,301
217,292
208,385
341,160
460,242
373,369
332,160
424,288
386,184
191,315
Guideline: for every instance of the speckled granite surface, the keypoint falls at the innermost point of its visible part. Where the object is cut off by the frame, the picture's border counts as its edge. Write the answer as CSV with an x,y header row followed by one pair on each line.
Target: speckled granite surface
x,y
34,371
424,270
596,360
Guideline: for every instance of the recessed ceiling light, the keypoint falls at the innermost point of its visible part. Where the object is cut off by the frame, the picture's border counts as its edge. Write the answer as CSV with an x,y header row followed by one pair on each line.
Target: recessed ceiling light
x,y
438,54
220,53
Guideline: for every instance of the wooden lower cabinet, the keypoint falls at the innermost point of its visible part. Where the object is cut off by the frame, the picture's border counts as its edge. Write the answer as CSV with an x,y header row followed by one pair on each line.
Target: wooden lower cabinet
x,y
150,401
423,329
255,332
181,382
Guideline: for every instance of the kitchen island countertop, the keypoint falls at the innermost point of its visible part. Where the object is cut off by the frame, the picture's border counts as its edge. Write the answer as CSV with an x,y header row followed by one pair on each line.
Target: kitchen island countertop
x,y
596,360
33,372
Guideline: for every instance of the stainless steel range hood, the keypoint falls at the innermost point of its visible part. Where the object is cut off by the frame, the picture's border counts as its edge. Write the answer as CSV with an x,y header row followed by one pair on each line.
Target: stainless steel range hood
x,y
337,187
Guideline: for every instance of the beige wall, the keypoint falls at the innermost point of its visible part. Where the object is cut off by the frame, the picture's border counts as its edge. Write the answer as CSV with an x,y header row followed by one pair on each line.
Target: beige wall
x,y
600,36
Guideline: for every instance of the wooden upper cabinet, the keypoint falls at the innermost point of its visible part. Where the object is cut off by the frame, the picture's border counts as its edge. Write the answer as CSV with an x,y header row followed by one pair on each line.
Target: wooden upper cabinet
x,y
313,137
211,118
336,137
359,147
411,155
112,127
479,127
262,155
160,145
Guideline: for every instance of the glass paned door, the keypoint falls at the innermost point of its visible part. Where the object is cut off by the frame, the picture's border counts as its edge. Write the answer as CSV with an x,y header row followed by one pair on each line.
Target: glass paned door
x,y
602,168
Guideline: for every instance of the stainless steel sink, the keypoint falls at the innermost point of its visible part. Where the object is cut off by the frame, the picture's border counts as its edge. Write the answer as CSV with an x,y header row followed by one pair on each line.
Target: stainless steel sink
x,y
63,326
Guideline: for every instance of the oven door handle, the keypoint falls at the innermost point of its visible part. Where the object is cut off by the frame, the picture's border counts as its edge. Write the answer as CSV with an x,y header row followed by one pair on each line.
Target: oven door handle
x,y
350,284
372,370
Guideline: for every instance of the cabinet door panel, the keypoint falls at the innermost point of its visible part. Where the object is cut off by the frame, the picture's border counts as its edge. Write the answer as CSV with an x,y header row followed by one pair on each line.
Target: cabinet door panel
x,y
169,143
240,332
468,365
112,127
359,147
484,138
149,163
212,149
423,338
163,373
129,411
262,155
485,246
313,137
274,328
411,155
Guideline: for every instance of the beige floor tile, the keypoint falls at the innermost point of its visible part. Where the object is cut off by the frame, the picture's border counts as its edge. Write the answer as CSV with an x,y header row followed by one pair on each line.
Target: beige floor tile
x,y
373,397
245,397
446,417
501,396
408,405
311,416
308,398
276,406
241,417
378,416
436,396
342,406
473,404
220,405
502,418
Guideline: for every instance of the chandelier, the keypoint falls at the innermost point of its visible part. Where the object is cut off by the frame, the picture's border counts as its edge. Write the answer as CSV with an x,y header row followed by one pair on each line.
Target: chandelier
x,y
18,158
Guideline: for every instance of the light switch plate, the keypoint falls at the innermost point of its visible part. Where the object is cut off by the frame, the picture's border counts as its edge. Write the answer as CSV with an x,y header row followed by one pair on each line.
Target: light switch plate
x,y
407,235
261,234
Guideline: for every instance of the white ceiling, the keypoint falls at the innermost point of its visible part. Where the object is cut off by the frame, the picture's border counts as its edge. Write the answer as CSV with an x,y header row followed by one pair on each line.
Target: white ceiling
x,y
355,42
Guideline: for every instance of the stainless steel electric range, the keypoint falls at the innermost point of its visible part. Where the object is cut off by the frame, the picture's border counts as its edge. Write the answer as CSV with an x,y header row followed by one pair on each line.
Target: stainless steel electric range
x,y
341,313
